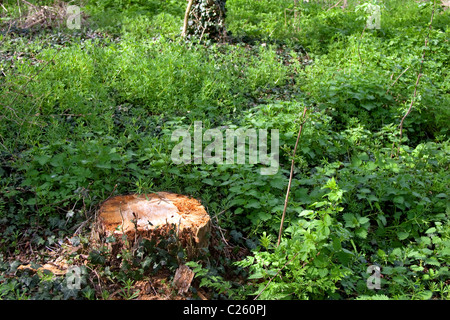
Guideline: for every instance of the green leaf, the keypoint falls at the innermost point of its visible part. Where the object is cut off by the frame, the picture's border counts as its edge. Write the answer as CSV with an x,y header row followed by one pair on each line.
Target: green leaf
x,y
327,220
237,202
337,246
368,106
363,220
42,159
382,220
402,235
279,183
331,184
431,230
256,275
361,232
253,204
381,253
350,220
208,181
306,213
323,272
103,165
236,189
425,295
371,166
323,230
399,200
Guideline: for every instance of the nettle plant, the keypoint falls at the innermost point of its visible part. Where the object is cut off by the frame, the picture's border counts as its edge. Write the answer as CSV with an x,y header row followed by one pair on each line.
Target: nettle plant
x,y
308,262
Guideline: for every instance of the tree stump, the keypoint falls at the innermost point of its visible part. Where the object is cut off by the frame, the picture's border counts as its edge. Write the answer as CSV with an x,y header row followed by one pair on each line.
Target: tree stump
x,y
151,216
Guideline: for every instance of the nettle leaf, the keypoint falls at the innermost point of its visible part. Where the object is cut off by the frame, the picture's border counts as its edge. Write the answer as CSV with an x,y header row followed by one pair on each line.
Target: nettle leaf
x,y
425,295
363,220
401,235
425,240
279,183
323,230
306,213
256,275
208,181
368,105
43,159
236,189
399,199
237,202
361,232
264,216
253,204
431,230
327,220
382,219
236,235
350,220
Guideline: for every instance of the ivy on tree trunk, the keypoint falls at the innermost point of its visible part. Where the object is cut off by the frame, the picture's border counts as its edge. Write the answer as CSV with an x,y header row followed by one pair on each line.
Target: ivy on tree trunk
x,y
206,18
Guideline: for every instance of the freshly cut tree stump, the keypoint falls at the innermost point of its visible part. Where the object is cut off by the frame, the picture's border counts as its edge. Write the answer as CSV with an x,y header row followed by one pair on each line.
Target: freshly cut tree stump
x,y
152,215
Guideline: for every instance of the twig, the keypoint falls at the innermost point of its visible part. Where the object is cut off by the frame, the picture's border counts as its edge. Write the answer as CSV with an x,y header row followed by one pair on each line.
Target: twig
x,y
290,177
34,23
408,112
20,11
204,29
334,5
359,43
417,81
186,18
221,233
397,79
30,4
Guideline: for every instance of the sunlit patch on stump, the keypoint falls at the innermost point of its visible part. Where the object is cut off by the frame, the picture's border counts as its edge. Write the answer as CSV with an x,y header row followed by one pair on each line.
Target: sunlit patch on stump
x,y
152,216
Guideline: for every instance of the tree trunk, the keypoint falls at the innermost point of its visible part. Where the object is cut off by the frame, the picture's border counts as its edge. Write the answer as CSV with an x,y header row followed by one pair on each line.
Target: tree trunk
x,y
205,19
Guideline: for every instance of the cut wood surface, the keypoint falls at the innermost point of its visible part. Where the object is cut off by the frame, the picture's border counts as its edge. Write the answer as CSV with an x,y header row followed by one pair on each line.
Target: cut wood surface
x,y
150,215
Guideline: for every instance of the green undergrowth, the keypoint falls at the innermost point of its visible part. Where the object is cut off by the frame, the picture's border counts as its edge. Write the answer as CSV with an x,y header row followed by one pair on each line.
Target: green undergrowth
x,y
90,113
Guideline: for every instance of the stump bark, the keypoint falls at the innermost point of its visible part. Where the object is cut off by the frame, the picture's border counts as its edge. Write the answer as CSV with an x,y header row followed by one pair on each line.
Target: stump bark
x,y
152,215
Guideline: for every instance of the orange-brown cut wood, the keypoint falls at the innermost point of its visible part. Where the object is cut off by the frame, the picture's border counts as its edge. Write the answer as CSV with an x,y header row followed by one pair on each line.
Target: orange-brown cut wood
x,y
147,215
